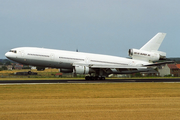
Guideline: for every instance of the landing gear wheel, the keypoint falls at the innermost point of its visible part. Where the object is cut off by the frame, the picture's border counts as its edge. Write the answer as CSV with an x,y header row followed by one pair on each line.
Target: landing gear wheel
x,y
101,78
97,78
87,78
29,72
94,78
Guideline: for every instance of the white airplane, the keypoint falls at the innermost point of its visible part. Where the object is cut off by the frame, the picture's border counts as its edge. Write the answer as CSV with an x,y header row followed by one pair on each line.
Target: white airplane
x,y
97,64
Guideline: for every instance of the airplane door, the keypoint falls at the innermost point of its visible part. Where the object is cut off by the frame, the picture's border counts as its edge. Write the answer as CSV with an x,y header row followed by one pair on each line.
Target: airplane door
x,y
21,53
87,60
52,56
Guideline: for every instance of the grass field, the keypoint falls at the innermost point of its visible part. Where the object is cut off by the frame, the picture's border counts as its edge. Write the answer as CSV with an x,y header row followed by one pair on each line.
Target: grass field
x,y
47,73
126,101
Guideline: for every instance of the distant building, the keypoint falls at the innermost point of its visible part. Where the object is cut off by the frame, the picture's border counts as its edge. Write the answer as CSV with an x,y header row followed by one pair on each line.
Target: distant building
x,y
18,66
178,65
58,74
9,67
170,69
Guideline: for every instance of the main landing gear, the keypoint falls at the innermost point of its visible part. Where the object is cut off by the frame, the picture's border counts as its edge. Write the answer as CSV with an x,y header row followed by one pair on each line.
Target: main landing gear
x,y
94,78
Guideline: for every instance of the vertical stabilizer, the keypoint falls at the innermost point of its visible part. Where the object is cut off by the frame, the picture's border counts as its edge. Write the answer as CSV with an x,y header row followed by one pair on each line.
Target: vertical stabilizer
x,y
154,43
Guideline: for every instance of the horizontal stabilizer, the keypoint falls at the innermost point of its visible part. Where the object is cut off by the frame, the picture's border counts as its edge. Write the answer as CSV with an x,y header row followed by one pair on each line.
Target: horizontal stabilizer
x,y
160,63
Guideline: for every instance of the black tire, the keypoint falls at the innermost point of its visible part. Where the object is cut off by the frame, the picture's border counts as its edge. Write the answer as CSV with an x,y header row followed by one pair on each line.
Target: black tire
x,y
97,78
87,78
92,78
29,72
102,78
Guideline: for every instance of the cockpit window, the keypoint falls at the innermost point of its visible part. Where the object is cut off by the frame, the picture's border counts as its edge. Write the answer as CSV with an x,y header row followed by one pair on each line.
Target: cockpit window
x,y
14,51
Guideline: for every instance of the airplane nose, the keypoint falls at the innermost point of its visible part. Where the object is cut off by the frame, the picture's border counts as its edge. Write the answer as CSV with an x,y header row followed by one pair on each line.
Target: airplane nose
x,y
6,54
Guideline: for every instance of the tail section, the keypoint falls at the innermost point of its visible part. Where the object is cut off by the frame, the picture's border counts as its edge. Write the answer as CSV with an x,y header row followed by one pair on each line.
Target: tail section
x,y
149,52
154,43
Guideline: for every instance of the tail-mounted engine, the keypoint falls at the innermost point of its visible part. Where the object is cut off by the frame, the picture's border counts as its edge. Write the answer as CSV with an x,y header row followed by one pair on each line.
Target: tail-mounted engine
x,y
146,55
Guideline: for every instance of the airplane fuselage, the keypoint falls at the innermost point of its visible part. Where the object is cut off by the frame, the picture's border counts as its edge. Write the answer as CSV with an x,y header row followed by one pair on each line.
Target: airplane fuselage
x,y
65,59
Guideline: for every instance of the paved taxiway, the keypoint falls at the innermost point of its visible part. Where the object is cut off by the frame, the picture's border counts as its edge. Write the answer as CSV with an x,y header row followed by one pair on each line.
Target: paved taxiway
x,y
85,81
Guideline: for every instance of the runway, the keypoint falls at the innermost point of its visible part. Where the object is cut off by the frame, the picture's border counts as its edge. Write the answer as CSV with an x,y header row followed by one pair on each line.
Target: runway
x,y
86,81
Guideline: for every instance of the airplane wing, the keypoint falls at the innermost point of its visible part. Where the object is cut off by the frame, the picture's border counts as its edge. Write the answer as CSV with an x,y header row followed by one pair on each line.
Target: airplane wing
x,y
160,63
109,66
117,66
122,66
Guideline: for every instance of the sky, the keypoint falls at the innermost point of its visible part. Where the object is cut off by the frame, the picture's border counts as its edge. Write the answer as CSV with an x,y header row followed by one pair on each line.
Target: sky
x,y
95,26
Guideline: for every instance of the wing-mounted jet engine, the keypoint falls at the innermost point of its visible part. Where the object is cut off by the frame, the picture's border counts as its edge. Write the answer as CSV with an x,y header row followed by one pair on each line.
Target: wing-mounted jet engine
x,y
78,69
